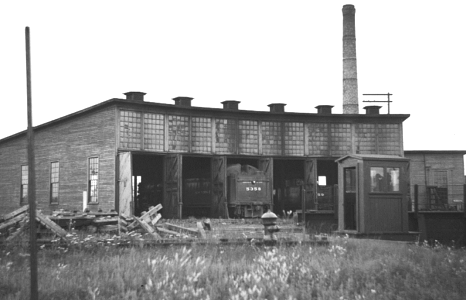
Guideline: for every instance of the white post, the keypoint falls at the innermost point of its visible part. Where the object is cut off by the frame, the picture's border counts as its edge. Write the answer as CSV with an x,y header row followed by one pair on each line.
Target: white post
x,y
84,200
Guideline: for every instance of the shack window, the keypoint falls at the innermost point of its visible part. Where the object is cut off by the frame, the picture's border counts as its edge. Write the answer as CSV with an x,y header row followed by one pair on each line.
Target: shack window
x,y
24,185
93,179
54,179
350,180
385,179
393,179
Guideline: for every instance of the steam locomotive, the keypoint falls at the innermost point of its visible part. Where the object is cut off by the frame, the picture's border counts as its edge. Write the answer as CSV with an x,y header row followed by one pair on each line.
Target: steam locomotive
x,y
249,191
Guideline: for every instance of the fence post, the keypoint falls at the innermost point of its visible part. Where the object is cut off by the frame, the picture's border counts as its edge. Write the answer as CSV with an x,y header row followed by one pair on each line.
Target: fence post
x,y
304,210
464,199
416,200
464,214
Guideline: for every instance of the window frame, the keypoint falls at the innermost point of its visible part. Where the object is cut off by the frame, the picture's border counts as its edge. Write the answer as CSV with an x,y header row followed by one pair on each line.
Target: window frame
x,y
90,180
53,182
385,183
24,197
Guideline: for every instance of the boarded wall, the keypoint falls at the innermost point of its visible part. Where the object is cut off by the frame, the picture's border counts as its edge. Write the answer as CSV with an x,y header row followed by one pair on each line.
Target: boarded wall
x,y
71,143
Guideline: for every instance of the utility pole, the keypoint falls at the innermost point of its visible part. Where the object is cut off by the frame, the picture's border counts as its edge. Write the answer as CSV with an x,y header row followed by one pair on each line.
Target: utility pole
x,y
31,177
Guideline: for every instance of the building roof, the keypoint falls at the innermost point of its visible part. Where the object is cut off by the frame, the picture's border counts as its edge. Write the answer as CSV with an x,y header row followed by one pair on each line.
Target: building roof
x,y
250,113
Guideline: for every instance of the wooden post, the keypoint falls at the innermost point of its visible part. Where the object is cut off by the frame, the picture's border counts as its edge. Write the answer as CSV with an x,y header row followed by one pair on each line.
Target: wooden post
x,y
31,176
304,211
464,214
416,200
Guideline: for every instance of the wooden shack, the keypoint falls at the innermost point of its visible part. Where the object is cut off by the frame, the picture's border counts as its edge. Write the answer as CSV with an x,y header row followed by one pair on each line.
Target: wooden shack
x,y
373,195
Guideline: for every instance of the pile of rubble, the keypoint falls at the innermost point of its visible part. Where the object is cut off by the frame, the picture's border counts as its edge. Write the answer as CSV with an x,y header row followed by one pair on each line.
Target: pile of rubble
x,y
149,223
60,223
12,225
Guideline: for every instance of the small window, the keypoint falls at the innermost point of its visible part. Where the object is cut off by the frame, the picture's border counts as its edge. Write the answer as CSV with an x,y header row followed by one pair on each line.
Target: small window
x,y
93,179
385,179
393,179
350,180
24,185
54,182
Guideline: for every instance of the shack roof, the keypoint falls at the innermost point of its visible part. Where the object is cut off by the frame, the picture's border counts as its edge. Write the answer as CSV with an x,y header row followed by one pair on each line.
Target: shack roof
x,y
372,157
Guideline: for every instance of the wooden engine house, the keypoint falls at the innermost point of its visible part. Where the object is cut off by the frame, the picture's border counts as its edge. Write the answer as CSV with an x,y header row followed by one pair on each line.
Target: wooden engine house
x,y
129,154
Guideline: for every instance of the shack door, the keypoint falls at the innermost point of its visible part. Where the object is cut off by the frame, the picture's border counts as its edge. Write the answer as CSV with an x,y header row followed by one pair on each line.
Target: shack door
x,y
349,198
124,184
219,177
266,165
172,201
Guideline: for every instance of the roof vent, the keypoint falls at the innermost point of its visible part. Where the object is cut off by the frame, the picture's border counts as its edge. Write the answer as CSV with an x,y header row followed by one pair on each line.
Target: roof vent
x,y
230,104
183,101
324,109
277,107
135,96
372,110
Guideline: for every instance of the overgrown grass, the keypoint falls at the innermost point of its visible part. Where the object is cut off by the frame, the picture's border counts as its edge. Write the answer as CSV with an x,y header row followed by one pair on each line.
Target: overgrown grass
x,y
347,269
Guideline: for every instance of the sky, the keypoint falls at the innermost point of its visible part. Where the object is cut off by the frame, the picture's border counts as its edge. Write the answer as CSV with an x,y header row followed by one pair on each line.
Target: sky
x,y
257,52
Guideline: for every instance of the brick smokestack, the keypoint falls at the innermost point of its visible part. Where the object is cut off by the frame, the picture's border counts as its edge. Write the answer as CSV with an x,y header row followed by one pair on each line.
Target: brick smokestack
x,y
350,73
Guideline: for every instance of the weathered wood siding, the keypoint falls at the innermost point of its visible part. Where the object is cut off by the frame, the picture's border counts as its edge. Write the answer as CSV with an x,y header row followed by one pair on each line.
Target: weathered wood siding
x,y
70,142
423,166
13,154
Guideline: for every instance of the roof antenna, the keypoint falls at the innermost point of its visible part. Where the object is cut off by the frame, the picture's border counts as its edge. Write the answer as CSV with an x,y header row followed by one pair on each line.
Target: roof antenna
x,y
385,101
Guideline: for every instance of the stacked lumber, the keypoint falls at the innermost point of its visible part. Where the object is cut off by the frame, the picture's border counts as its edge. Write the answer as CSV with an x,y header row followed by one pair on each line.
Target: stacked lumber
x,y
12,225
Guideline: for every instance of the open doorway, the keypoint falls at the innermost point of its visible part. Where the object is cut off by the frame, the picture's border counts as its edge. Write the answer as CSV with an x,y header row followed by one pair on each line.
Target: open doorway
x,y
349,198
147,182
327,185
288,181
197,199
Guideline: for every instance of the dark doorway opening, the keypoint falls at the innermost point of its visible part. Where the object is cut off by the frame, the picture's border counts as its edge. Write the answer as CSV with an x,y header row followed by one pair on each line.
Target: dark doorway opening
x,y
243,161
288,181
197,189
349,198
327,185
147,182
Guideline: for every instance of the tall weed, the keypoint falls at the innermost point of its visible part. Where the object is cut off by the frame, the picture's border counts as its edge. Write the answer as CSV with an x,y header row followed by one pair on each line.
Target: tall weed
x,y
346,269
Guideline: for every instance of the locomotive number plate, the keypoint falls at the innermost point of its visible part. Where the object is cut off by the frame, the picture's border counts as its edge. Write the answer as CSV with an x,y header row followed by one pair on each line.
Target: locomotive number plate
x,y
253,188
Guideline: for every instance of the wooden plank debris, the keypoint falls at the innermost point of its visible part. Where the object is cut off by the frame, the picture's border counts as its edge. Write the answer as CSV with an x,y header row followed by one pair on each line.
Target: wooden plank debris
x,y
44,220
23,225
201,230
148,228
106,221
108,228
181,229
12,221
163,230
156,219
14,213
146,217
150,214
